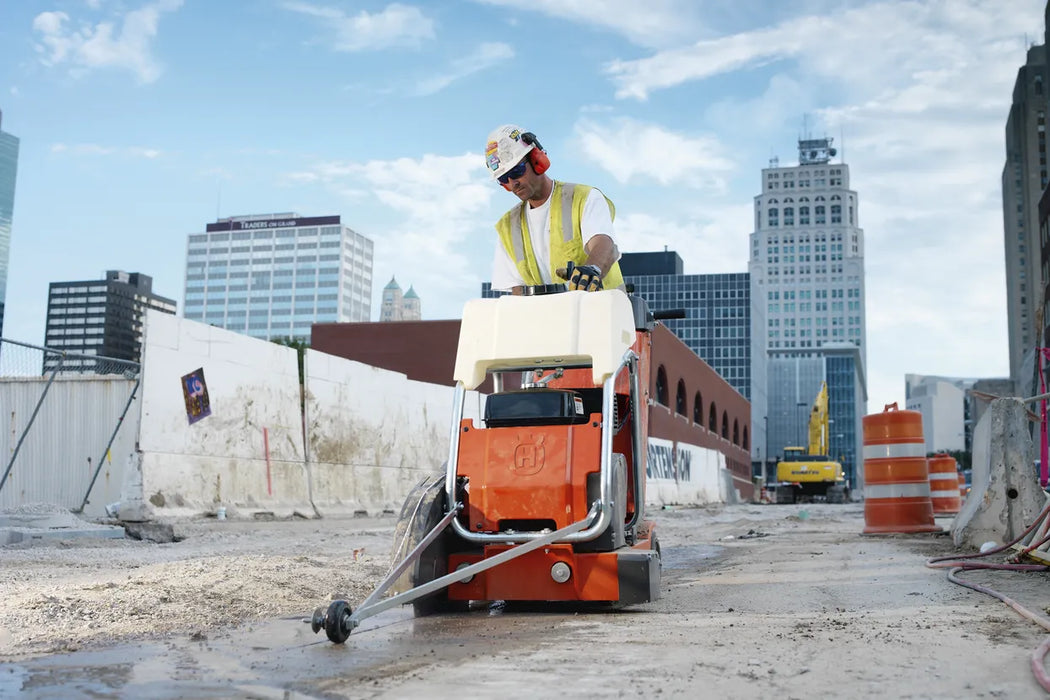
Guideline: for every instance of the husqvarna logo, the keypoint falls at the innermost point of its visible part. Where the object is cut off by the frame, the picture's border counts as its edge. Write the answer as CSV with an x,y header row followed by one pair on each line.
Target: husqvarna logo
x,y
528,455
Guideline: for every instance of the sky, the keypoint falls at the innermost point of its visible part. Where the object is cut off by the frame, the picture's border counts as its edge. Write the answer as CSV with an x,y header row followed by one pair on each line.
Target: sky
x,y
140,122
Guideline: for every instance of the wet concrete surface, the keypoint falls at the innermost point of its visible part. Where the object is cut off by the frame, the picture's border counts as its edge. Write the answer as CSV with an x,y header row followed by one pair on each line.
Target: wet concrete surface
x,y
284,658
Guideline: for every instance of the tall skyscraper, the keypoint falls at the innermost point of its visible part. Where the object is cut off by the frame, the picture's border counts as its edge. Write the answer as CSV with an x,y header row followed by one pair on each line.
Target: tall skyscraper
x,y
807,267
8,172
99,318
398,306
274,275
1024,178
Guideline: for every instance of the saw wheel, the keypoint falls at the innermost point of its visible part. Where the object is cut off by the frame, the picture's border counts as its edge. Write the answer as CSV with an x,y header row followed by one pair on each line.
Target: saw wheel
x,y
423,510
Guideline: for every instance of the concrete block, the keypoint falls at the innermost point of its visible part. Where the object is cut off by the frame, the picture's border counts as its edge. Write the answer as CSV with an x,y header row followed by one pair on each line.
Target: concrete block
x,y
162,533
1005,496
18,535
44,522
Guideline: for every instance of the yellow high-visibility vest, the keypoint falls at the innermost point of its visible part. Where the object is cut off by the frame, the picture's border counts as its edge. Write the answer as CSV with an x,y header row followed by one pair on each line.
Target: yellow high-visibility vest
x,y
566,236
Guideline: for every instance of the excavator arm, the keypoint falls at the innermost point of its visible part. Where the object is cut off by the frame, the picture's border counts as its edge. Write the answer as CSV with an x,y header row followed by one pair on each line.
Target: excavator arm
x,y
818,423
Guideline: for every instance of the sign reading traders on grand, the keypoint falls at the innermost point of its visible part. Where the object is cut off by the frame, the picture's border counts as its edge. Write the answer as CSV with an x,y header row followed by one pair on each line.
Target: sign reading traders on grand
x,y
250,224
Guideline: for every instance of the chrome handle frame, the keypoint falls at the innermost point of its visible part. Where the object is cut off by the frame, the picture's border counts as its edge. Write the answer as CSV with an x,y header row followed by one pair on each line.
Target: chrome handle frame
x,y
604,504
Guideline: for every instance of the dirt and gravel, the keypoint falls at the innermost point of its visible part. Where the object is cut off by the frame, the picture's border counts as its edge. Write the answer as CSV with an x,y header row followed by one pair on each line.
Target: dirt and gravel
x,y
786,600
218,573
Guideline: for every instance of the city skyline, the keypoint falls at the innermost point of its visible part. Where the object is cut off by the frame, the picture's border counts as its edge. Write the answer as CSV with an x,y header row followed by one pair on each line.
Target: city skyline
x,y
132,119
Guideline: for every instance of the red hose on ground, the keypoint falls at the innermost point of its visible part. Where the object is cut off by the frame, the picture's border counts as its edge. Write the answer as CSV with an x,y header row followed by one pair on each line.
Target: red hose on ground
x,y
1000,548
1038,667
1040,652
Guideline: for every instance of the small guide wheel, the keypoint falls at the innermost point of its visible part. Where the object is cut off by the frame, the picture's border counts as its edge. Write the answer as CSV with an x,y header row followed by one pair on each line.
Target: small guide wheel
x,y
336,621
317,621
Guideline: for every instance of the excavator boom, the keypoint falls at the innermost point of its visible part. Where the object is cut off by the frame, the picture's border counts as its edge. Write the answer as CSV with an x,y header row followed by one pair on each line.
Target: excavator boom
x,y
818,423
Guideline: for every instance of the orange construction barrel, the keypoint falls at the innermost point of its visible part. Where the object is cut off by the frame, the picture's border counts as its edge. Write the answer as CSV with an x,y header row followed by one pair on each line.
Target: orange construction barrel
x,y
896,478
944,484
962,487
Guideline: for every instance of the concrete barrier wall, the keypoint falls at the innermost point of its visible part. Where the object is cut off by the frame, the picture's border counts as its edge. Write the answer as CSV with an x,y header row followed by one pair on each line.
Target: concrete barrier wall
x,y
68,437
357,440
372,434
1005,496
248,453
678,473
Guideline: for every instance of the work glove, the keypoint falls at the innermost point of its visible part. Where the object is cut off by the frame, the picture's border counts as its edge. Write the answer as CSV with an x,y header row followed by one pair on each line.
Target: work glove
x,y
584,277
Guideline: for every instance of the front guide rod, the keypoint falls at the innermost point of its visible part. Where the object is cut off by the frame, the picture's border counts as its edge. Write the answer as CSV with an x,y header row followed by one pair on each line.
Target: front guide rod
x,y
369,608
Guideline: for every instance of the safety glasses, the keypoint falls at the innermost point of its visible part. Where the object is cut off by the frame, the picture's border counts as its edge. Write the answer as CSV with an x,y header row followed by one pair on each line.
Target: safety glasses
x,y
513,174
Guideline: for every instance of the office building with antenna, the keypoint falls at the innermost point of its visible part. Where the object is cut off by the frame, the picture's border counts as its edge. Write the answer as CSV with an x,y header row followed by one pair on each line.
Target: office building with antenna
x,y
806,264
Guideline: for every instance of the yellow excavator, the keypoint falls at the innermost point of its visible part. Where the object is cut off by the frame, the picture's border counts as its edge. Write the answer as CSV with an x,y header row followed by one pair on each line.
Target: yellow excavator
x,y
808,473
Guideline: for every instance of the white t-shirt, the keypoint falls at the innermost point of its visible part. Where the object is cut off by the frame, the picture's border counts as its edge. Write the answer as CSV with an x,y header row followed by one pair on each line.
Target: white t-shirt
x,y
596,219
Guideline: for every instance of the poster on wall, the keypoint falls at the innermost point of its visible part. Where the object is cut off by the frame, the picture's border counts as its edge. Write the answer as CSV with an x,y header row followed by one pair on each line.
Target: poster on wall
x,y
195,393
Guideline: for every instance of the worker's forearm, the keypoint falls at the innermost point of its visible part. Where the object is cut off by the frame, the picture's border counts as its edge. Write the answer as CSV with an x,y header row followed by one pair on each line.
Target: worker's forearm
x,y
602,253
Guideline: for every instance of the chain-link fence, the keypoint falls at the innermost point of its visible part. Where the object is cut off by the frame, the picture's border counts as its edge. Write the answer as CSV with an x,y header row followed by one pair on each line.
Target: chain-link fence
x,y
48,431
25,360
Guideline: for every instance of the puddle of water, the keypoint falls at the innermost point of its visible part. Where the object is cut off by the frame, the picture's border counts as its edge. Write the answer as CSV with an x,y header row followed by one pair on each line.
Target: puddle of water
x,y
278,658
262,659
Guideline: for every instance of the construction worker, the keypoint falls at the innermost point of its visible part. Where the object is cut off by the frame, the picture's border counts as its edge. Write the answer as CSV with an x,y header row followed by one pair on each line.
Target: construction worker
x,y
560,231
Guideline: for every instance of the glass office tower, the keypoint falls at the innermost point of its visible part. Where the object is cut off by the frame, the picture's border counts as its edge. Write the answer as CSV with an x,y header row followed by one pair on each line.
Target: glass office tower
x,y
717,323
8,171
102,318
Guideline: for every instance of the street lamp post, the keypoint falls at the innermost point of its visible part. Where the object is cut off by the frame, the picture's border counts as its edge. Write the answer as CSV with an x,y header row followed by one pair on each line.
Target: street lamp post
x,y
798,434
765,429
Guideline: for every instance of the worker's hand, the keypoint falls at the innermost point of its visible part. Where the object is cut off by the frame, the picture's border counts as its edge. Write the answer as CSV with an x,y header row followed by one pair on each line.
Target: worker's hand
x,y
585,277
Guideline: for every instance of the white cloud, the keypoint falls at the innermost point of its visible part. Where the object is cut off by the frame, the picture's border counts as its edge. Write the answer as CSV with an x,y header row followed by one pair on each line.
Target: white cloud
x,y
705,59
920,90
94,149
484,57
651,23
440,227
218,172
148,153
90,47
916,41
709,242
395,25
629,149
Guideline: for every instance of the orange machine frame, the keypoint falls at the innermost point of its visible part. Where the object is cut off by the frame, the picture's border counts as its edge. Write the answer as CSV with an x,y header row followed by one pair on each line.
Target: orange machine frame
x,y
539,475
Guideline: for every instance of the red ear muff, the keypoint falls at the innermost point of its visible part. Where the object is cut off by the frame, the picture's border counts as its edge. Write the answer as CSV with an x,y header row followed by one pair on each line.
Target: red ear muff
x,y
537,156
540,161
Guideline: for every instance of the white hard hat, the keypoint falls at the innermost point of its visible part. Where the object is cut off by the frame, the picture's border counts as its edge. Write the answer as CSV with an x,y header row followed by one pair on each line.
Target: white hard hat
x,y
505,148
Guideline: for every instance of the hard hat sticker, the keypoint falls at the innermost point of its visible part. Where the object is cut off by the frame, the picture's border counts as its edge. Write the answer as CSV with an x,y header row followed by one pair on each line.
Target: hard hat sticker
x,y
492,155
